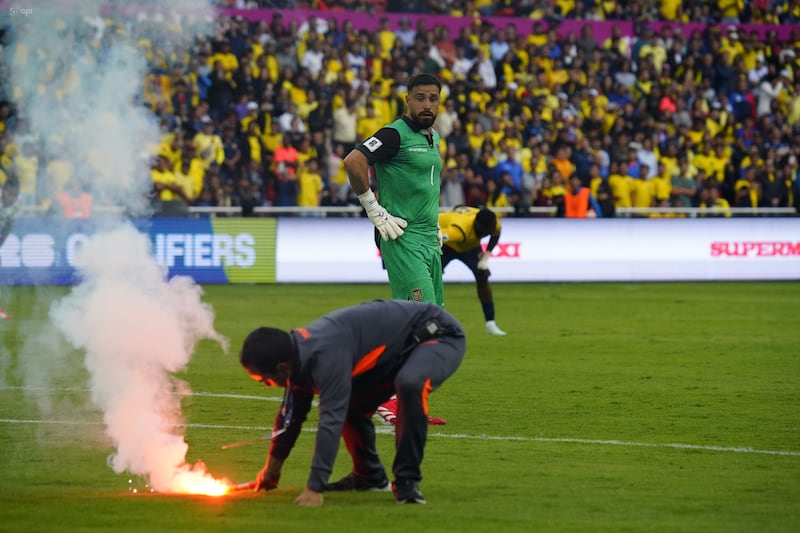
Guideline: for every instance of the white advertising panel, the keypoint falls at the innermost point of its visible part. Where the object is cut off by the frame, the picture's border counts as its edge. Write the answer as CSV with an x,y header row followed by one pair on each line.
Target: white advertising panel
x,y
532,250
315,249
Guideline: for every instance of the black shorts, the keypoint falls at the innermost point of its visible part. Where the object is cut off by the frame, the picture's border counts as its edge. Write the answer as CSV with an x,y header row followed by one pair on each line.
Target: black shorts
x,y
469,258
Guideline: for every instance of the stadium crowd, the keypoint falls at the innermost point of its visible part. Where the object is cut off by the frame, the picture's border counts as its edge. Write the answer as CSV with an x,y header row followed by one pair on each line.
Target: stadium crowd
x,y
260,113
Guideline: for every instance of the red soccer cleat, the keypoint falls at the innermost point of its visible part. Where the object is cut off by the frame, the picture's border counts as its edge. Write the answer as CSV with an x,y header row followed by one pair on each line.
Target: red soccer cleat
x,y
434,421
4,315
388,411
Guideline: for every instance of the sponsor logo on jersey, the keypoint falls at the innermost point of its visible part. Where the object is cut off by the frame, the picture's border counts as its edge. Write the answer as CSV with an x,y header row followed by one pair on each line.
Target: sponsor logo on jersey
x,y
416,295
372,144
413,149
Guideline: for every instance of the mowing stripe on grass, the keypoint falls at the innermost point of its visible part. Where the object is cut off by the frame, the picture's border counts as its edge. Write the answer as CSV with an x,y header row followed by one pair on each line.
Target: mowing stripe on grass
x,y
389,429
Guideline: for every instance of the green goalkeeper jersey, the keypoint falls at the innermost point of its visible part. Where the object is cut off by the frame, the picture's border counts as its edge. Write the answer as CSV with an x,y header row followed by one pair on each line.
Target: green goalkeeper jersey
x,y
407,167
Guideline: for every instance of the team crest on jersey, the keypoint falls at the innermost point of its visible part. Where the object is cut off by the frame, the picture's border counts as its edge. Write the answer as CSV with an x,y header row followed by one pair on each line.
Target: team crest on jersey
x,y
372,144
416,295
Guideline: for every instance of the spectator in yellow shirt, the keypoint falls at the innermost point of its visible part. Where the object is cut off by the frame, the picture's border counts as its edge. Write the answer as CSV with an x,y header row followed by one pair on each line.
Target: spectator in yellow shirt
x,y
253,148
662,185
643,194
620,184
369,123
702,159
207,144
730,10
197,169
226,58
386,39
172,194
717,162
310,184
671,10
184,179
273,138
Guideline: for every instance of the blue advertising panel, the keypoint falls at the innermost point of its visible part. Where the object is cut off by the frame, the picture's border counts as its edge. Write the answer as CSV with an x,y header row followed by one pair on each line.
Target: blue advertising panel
x,y
42,251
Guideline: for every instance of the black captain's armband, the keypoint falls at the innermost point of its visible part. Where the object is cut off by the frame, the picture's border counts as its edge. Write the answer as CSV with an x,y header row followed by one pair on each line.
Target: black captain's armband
x,y
432,329
427,331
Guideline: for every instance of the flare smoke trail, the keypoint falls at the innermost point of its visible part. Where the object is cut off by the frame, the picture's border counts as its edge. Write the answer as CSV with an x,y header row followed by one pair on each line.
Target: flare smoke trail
x,y
136,328
76,69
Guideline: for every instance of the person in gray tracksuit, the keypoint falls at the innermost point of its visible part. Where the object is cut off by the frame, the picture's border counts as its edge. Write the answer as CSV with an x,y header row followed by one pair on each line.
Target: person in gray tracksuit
x,y
355,358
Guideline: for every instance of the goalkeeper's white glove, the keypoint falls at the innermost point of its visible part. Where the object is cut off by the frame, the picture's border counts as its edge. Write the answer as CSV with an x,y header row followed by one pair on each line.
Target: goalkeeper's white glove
x,y
483,261
442,236
389,226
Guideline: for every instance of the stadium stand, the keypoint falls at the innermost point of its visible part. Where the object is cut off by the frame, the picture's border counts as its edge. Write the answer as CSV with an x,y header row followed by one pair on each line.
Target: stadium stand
x,y
705,94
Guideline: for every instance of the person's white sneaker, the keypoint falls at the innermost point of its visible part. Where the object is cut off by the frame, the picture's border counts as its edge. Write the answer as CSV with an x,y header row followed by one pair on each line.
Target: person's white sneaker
x,y
492,329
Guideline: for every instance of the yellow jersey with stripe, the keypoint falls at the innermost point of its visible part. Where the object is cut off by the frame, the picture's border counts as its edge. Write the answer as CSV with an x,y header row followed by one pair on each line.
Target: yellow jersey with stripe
x,y
458,227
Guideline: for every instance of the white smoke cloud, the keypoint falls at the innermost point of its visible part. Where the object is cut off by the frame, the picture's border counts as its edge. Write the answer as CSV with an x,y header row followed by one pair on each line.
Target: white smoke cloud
x,y
76,80
77,76
137,329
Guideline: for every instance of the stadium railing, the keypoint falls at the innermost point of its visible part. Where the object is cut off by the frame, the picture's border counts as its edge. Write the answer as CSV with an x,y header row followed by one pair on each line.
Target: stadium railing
x,y
699,212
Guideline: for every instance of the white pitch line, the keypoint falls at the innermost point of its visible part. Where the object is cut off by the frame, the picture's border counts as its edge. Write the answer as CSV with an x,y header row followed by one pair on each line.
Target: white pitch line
x,y
464,436
614,442
200,394
237,396
389,429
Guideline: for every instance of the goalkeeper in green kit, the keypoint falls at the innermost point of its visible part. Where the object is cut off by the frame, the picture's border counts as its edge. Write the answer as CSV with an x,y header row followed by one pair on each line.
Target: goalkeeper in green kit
x,y
407,161
405,156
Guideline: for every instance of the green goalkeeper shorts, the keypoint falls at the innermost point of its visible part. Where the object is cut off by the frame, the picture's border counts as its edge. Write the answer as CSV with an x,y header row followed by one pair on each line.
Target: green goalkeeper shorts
x,y
415,270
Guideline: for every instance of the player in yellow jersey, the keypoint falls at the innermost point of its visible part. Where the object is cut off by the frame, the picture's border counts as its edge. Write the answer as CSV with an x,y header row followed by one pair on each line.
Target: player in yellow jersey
x,y
462,231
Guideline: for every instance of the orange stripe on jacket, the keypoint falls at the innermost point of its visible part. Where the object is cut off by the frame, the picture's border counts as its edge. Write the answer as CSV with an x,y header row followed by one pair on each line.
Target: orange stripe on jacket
x,y
426,390
369,361
303,332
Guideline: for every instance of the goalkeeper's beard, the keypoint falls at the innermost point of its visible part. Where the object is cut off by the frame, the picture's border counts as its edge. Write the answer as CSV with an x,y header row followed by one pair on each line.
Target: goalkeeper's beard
x,y
421,123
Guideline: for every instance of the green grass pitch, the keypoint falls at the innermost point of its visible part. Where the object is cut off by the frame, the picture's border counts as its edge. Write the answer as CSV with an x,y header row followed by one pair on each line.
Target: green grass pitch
x,y
608,407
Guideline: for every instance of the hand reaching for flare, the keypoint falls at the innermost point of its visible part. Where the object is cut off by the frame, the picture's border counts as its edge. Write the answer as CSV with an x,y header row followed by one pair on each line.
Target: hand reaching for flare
x,y
268,477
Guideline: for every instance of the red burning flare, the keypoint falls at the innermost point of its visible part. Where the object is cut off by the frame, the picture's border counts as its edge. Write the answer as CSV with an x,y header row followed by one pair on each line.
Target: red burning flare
x,y
199,482
194,479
